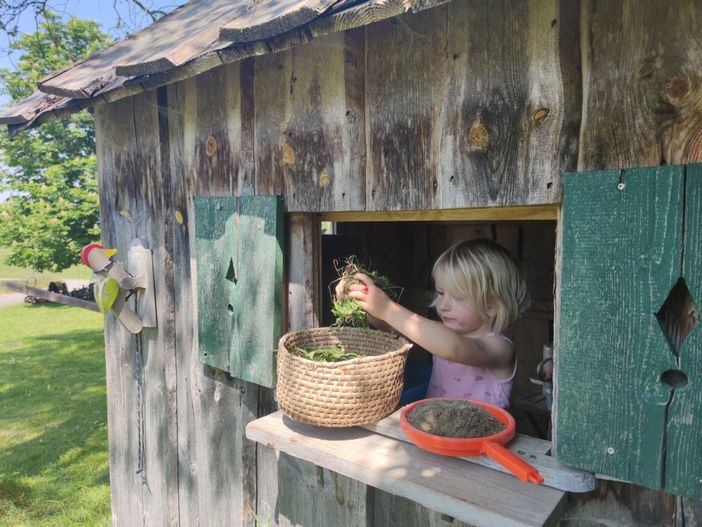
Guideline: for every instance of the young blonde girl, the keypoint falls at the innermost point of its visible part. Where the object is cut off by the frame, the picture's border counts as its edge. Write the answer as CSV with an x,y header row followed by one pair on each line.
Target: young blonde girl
x,y
479,293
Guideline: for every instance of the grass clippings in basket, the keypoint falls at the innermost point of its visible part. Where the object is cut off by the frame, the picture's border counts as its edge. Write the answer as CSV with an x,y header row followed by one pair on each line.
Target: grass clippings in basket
x,y
346,311
455,419
334,353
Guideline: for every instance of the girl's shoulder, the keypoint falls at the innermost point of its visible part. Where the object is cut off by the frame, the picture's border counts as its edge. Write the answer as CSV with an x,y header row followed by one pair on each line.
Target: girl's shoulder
x,y
502,349
500,336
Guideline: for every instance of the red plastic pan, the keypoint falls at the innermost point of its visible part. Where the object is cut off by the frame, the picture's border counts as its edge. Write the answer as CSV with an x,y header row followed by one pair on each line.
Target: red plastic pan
x,y
491,446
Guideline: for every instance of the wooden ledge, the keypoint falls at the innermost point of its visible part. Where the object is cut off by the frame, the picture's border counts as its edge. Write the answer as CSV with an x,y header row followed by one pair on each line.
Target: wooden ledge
x,y
464,490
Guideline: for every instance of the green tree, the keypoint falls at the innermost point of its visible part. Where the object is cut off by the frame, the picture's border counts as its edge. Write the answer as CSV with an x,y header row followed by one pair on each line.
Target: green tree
x,y
51,171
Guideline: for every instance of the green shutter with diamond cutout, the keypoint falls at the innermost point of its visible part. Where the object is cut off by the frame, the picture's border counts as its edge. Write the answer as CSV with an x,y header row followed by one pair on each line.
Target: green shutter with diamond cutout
x,y
684,439
627,401
239,264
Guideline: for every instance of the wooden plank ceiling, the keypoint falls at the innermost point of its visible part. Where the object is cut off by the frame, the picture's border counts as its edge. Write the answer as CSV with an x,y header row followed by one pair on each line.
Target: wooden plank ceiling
x,y
193,38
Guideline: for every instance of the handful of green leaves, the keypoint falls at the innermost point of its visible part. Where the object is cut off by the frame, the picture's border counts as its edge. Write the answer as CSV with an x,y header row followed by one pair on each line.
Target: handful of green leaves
x,y
332,354
346,310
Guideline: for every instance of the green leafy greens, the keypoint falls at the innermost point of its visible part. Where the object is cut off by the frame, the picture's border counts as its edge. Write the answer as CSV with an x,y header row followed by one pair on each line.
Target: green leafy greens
x,y
346,310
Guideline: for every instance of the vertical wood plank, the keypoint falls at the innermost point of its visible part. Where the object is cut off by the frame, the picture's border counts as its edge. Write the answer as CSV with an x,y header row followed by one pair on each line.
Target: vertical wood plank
x,y
652,114
139,203
684,449
255,399
309,124
185,317
214,462
303,273
159,476
272,74
217,150
116,230
247,173
390,509
621,244
623,505
406,51
167,448
119,346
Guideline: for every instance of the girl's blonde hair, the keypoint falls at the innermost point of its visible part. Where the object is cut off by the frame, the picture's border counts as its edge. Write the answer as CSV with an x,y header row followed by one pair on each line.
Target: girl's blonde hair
x,y
483,273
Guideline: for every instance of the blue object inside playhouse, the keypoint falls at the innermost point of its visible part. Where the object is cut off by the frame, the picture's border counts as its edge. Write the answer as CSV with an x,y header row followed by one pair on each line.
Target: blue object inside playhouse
x,y
416,382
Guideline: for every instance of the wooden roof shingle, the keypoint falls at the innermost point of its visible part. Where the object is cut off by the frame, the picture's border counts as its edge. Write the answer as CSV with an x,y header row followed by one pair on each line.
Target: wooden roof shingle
x,y
193,38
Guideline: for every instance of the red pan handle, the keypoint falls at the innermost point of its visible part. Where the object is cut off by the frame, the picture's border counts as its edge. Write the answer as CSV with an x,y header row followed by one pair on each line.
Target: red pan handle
x,y
514,464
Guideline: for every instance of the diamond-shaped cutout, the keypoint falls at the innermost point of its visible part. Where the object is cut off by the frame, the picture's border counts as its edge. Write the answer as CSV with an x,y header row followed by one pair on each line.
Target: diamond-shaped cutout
x,y
231,275
678,315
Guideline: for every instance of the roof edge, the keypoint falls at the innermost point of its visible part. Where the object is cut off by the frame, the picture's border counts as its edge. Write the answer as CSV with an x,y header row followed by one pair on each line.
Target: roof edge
x,y
354,16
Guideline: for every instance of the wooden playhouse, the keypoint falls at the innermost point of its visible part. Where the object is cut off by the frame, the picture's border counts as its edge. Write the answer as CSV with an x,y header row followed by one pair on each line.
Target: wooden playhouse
x,y
249,144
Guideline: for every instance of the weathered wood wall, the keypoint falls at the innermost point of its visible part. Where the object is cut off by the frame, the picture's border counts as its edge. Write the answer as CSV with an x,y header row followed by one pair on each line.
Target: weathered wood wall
x,y
471,104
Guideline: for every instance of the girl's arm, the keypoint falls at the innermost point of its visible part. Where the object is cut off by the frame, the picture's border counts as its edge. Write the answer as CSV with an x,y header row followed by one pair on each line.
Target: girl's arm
x,y
431,335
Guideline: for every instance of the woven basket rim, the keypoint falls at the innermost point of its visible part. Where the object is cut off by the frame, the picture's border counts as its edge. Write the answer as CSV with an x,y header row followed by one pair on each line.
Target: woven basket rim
x,y
403,343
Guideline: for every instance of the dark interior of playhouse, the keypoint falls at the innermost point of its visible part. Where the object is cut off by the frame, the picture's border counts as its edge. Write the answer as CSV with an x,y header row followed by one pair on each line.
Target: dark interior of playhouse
x,y
404,251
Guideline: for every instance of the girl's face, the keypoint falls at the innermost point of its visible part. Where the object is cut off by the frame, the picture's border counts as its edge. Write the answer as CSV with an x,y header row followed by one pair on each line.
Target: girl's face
x,y
459,315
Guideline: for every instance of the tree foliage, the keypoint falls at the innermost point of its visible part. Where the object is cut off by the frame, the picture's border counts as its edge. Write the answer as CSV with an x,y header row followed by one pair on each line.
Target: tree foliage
x,y
51,171
126,11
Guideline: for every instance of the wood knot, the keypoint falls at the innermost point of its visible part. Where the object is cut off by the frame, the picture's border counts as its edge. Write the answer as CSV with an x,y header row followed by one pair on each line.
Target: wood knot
x,y
324,179
541,114
677,87
479,136
211,146
288,154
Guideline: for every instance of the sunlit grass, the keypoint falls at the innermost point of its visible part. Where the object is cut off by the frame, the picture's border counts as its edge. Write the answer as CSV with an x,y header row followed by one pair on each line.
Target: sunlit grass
x,y
53,424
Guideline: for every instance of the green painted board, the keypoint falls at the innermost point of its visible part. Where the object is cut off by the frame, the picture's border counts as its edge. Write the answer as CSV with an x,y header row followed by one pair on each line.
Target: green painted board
x,y
239,262
684,448
622,238
260,287
215,226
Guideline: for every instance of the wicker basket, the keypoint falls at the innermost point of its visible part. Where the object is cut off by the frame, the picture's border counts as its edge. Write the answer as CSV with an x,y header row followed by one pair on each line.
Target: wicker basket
x,y
339,394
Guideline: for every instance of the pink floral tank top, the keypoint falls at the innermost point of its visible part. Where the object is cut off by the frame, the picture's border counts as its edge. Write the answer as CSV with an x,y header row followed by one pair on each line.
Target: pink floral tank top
x,y
451,379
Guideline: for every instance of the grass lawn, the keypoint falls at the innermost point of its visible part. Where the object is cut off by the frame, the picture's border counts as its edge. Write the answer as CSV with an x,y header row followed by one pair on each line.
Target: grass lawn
x,y
9,272
53,418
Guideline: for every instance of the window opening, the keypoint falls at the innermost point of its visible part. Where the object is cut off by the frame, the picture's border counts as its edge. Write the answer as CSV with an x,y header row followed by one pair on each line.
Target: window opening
x,y
405,251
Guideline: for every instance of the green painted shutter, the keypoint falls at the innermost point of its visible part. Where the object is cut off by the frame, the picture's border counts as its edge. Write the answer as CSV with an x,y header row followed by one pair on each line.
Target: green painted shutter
x,y
622,253
684,441
239,262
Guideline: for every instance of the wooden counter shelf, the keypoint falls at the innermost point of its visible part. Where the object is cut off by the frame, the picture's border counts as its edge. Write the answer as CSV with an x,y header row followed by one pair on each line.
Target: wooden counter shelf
x,y
381,456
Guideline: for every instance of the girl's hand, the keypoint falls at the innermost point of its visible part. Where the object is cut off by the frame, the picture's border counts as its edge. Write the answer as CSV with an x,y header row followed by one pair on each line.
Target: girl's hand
x,y
369,296
342,290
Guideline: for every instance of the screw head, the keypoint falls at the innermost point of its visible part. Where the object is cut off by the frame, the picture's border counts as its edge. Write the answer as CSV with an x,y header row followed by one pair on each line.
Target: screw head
x,y
620,186
610,450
